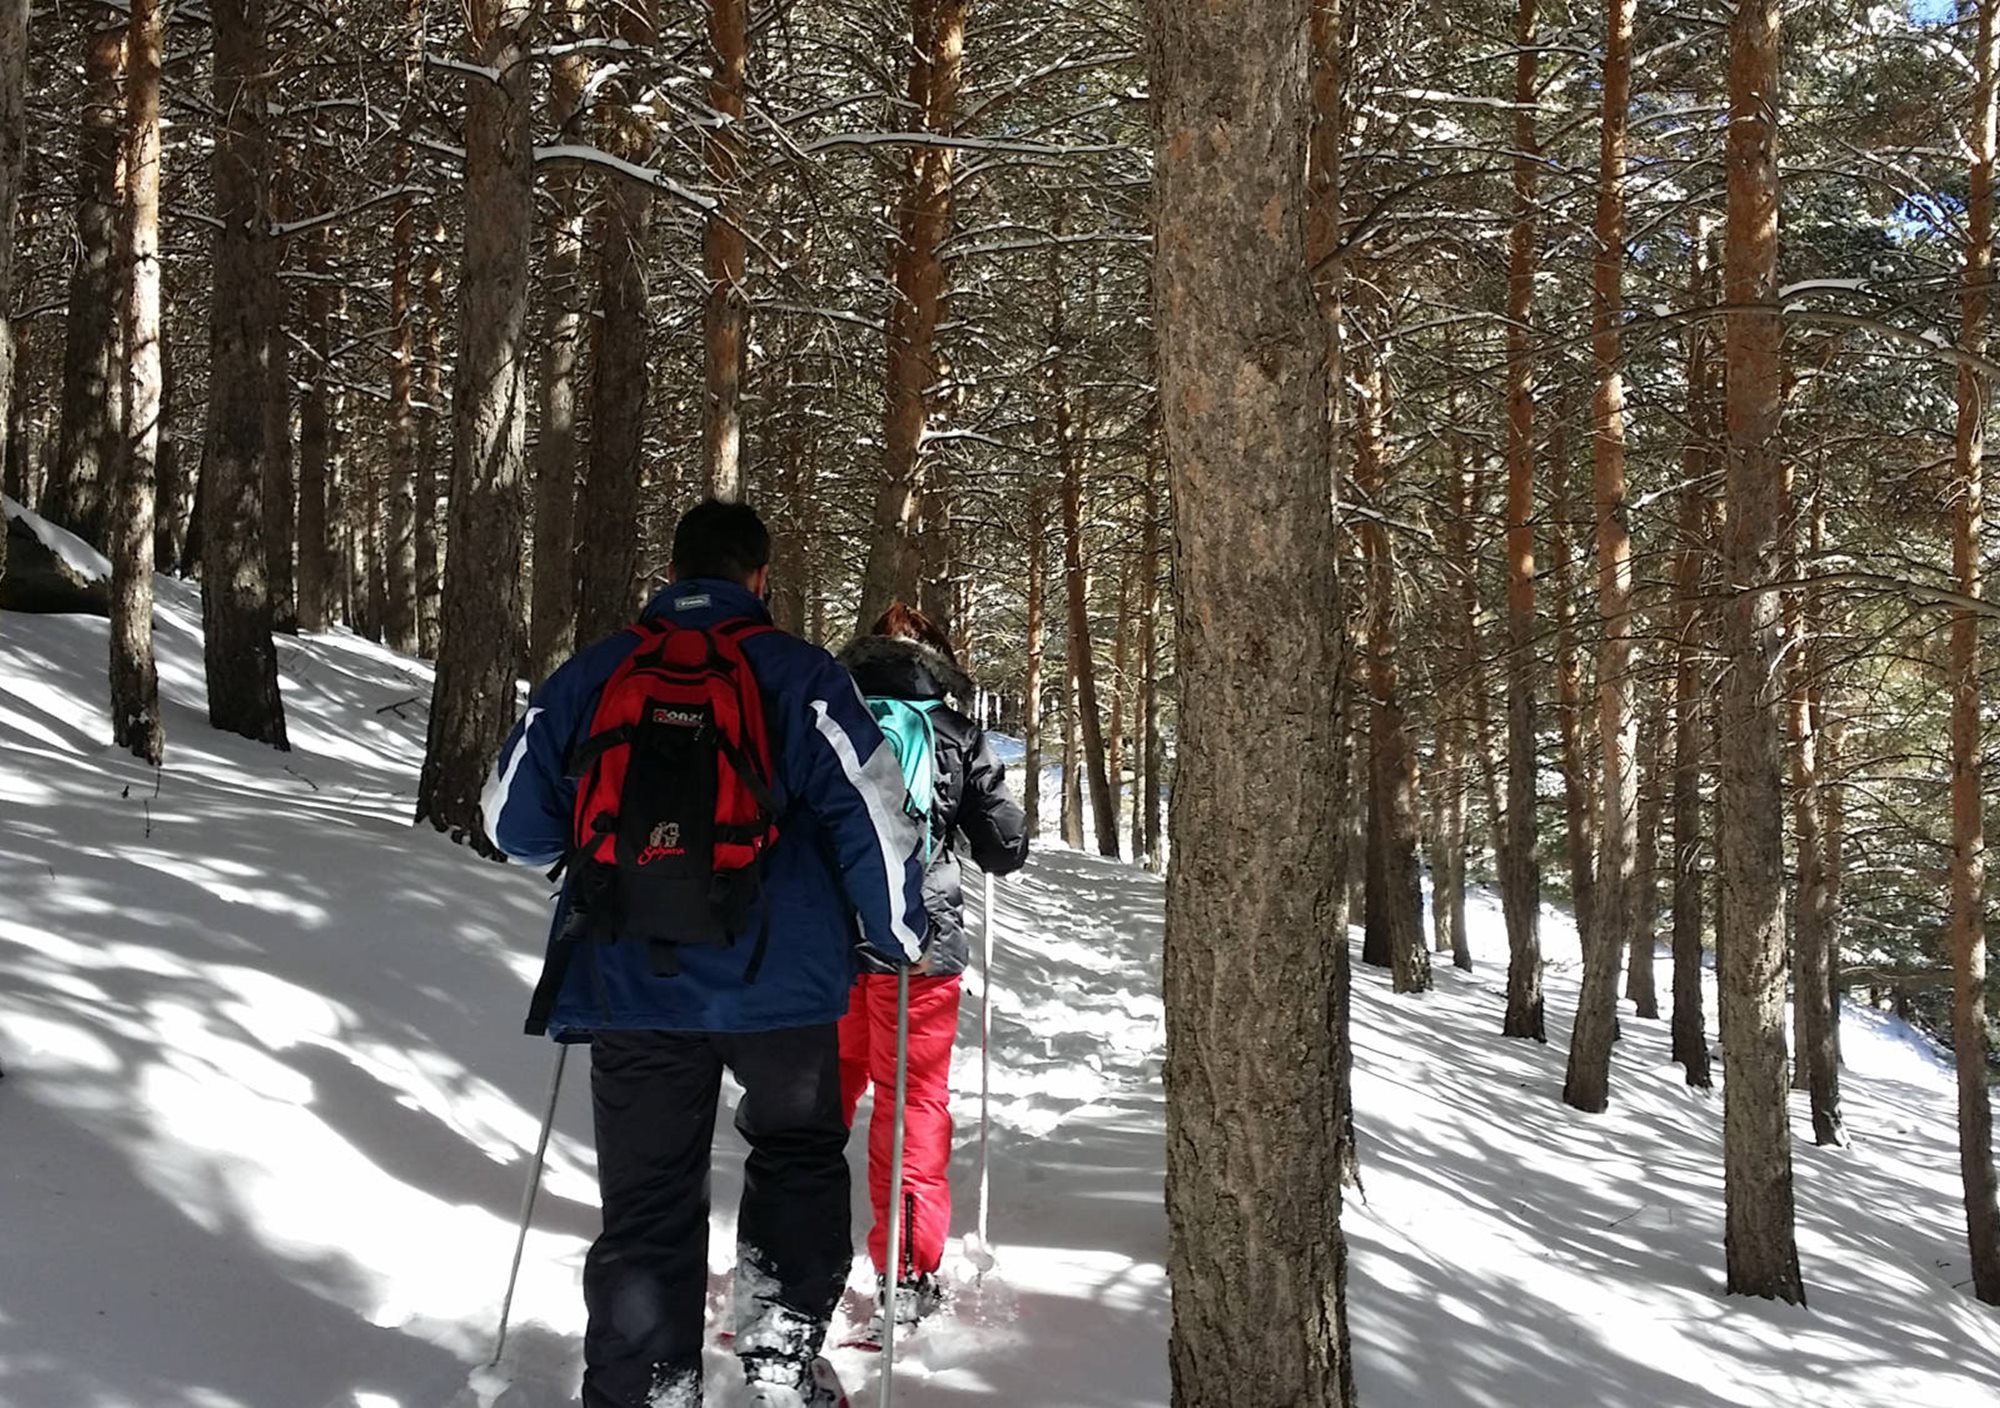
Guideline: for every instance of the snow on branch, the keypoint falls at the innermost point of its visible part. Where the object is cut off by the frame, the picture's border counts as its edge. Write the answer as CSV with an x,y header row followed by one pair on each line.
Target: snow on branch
x,y
451,65
334,217
632,171
1000,145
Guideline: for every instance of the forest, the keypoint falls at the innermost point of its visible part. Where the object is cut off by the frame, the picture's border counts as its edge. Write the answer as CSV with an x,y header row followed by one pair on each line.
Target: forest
x,y
1420,447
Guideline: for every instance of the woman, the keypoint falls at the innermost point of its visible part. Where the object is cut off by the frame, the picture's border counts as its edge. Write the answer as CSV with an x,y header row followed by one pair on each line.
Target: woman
x,y
906,657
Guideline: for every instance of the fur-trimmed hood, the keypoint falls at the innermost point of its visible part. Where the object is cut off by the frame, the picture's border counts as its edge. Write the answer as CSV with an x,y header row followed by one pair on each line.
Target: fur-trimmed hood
x,y
903,668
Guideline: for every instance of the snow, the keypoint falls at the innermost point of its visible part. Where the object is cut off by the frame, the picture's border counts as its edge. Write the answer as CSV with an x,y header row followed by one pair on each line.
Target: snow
x,y
73,552
267,1118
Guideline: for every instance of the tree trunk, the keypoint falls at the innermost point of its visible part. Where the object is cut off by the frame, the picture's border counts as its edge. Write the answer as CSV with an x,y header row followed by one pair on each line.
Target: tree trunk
x,y
239,658
1606,941
916,301
1579,803
1586,1084
1083,669
726,317
316,468
135,680
1641,985
1072,772
1460,732
1812,990
1258,1263
609,507
1147,802
1690,1037
1520,871
1968,831
280,489
1762,1254
13,162
1394,922
1031,703
18,458
173,500
1833,836
430,547
1465,554
77,495
399,511
1114,743
552,615
472,705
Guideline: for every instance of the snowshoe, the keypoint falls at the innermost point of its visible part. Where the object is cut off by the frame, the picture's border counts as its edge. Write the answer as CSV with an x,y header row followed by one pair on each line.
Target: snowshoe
x,y
778,1382
916,1300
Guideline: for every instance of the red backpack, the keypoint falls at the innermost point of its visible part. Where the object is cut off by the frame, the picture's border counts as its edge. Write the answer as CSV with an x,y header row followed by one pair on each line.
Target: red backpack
x,y
674,815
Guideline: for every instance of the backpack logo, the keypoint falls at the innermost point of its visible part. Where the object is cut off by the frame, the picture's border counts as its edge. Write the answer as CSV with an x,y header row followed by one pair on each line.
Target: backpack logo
x,y
664,841
679,718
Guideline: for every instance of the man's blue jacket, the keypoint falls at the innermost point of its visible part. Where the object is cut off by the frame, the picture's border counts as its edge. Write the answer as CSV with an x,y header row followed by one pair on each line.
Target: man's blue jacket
x,y
847,849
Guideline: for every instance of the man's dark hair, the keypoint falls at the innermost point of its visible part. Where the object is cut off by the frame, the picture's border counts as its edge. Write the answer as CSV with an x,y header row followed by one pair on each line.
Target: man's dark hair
x,y
717,539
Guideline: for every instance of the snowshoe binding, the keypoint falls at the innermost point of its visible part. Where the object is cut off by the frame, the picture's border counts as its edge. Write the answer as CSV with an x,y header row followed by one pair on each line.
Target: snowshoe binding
x,y
916,1299
777,1381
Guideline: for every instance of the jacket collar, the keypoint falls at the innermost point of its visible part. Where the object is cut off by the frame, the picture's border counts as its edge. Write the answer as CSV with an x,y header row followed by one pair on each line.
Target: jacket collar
x,y
703,601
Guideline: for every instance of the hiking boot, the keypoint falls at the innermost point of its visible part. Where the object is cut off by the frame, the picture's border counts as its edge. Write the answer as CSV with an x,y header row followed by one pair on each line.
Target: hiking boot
x,y
779,1382
918,1298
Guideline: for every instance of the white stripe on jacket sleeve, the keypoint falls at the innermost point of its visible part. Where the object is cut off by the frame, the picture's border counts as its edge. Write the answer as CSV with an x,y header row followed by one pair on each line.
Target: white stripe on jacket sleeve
x,y
895,832
493,798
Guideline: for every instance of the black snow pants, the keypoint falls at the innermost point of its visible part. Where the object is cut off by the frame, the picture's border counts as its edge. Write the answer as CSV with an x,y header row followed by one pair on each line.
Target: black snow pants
x,y
645,1281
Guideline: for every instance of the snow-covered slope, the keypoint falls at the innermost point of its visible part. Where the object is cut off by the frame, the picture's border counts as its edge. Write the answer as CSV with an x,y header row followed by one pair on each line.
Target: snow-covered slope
x,y
266,1115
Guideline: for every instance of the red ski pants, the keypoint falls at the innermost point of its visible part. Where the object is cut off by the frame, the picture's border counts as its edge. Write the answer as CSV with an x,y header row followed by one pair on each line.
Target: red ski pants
x,y
868,1054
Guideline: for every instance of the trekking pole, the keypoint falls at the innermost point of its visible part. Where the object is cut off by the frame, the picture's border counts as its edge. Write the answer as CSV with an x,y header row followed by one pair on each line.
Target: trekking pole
x,y
896,1229
528,1202
985,1258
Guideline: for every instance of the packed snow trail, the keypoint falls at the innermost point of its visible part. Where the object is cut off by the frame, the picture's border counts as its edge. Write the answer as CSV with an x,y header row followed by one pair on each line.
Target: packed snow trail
x,y
267,1113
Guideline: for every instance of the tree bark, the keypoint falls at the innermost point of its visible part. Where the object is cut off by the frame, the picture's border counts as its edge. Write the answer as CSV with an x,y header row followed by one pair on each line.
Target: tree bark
x,y
608,510
1586,1083
1520,871
1083,669
1257,1260
1148,786
173,495
1641,985
916,301
13,162
1605,944
1762,1254
240,659
280,487
1031,703
552,613
726,317
1691,722
430,422
399,509
1072,769
1579,801
472,705
135,680
317,555
78,493
1812,990
1394,922
1968,831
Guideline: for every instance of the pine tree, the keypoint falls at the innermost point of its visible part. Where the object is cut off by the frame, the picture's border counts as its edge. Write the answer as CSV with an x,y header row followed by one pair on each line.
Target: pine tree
x,y
135,683
1259,1267
241,661
1763,1257
473,702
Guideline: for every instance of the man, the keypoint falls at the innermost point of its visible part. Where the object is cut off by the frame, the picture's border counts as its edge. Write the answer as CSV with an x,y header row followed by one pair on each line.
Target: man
x,y
661,1034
